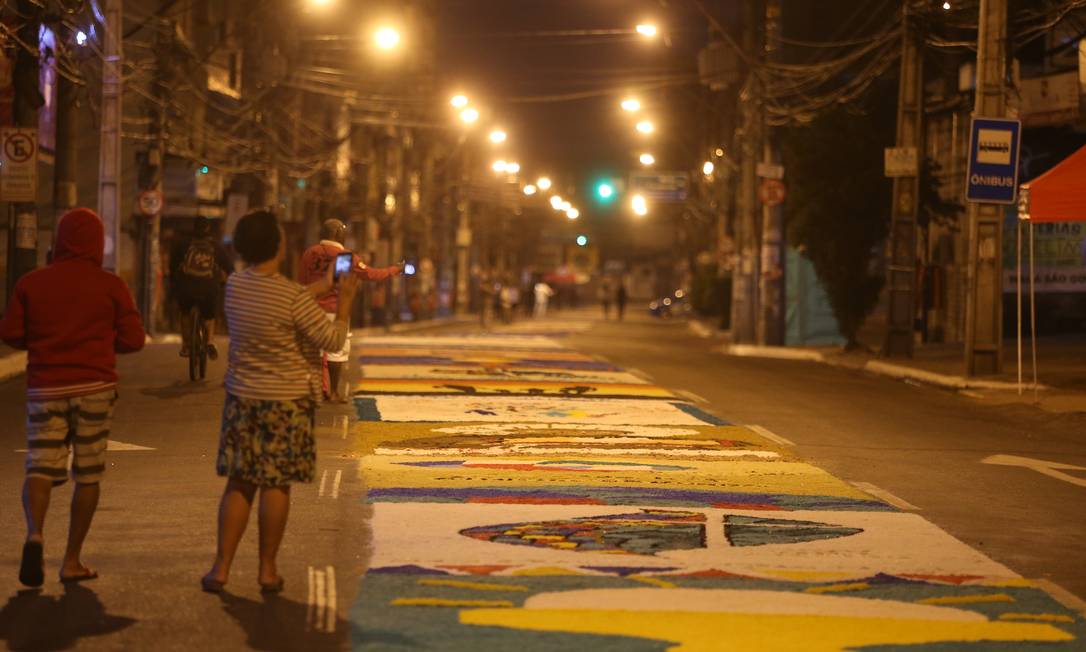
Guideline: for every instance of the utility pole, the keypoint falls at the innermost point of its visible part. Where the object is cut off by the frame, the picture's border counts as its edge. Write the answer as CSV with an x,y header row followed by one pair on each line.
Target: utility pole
x,y
463,229
901,271
984,283
23,215
65,194
745,293
771,278
156,162
109,157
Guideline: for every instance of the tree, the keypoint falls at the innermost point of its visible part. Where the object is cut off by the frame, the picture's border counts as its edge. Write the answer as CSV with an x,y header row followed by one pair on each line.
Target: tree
x,y
838,207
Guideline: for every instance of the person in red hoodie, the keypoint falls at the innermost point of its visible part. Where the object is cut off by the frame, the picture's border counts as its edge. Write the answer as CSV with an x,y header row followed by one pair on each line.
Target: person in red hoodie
x,y
314,267
72,317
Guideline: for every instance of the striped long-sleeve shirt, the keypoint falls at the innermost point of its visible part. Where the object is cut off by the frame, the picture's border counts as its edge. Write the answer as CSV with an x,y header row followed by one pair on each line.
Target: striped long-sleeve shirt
x,y
277,332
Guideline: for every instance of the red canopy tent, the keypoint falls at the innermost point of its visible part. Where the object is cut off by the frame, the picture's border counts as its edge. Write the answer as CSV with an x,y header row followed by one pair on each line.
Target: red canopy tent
x,y
1058,195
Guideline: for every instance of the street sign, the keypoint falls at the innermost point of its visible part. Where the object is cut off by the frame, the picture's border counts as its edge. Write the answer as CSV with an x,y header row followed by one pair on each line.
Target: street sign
x,y
661,187
150,202
900,162
993,160
19,172
771,192
769,170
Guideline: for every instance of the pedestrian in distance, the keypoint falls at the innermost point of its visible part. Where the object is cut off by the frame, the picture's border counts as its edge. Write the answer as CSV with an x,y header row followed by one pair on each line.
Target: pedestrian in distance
x,y
273,385
620,298
198,268
316,263
543,294
72,317
605,294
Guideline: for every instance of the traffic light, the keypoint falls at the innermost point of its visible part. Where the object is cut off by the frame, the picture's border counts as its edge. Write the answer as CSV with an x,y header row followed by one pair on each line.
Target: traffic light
x,y
582,240
204,169
605,190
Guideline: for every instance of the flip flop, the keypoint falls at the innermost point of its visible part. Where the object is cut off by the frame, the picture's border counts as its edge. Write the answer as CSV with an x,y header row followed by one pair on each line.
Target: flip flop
x,y
31,569
82,577
211,585
274,587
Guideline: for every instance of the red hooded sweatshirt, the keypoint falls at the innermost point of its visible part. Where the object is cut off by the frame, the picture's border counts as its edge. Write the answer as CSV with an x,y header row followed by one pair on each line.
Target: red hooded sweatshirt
x,y
72,316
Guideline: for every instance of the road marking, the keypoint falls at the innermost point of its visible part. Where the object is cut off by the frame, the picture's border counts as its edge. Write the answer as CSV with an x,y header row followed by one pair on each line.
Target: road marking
x,y
1040,466
344,422
335,483
112,446
324,478
691,396
773,437
1063,596
321,603
885,496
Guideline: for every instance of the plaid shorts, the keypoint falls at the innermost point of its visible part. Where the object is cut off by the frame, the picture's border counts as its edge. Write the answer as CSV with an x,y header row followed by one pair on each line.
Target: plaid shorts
x,y
78,425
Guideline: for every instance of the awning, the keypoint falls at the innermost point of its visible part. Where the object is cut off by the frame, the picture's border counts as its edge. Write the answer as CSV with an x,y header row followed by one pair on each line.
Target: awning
x,y
1059,195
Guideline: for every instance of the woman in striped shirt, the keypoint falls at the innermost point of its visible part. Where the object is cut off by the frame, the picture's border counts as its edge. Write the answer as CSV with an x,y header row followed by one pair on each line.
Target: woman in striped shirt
x,y
273,384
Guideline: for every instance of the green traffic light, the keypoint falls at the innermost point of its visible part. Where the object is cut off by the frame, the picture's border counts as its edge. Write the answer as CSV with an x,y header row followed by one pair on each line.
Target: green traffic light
x,y
605,190
582,240
204,169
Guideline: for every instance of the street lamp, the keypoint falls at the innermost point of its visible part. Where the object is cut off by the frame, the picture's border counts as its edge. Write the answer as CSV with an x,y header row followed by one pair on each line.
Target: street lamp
x,y
556,202
498,136
647,159
648,30
469,115
573,213
499,166
543,183
639,205
529,190
946,6
565,206
320,3
646,127
459,101
512,167
631,104
707,168
386,38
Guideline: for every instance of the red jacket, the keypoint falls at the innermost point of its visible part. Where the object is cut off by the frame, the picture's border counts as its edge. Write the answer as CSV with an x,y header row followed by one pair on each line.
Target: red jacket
x,y
72,316
315,263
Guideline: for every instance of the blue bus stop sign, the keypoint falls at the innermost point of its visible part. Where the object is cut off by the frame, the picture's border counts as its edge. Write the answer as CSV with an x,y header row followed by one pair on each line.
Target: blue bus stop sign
x,y
993,160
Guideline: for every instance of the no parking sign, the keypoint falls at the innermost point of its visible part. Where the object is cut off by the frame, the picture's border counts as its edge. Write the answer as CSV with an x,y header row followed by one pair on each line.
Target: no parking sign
x,y
19,171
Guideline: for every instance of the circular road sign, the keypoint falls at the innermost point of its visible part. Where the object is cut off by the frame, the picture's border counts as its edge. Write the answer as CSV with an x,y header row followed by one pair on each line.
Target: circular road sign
x,y
19,147
150,202
771,192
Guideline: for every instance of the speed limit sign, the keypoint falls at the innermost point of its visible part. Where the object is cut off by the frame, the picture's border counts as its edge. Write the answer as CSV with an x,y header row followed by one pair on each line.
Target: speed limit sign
x,y
150,202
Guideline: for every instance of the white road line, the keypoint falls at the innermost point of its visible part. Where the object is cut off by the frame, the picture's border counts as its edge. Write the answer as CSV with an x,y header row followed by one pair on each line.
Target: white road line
x,y
335,483
344,424
771,436
1063,596
113,447
321,600
885,496
1040,466
324,477
330,611
691,396
310,601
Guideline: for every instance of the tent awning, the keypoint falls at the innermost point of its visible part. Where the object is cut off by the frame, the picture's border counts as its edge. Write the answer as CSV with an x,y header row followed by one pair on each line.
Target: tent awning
x,y
1059,195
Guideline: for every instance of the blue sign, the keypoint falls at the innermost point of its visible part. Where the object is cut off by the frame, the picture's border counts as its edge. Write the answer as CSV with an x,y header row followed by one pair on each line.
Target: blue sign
x,y
993,161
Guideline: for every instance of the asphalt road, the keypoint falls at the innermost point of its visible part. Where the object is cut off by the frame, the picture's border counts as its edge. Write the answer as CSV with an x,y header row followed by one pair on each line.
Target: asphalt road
x,y
154,534
921,444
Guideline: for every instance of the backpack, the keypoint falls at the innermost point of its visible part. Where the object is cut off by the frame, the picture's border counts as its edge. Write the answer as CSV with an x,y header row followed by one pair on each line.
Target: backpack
x,y
199,260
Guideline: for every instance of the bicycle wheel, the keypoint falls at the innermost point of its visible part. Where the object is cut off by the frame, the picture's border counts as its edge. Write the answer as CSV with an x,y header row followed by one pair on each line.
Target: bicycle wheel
x,y
203,349
196,344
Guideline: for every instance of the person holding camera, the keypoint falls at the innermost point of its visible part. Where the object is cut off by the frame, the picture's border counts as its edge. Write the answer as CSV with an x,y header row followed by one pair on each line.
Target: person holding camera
x,y
273,385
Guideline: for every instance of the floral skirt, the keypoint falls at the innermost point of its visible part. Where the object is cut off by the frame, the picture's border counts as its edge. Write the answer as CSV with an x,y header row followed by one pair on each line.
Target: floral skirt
x,y
267,443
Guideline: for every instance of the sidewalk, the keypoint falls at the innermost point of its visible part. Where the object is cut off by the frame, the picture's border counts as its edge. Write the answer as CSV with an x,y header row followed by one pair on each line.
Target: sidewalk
x,y
1061,364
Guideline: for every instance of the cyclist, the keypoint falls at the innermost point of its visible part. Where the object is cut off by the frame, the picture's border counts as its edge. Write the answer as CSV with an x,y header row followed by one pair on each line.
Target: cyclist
x,y
199,266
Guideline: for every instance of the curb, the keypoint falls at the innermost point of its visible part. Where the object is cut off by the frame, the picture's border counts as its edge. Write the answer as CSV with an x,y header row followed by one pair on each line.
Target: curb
x,y
942,380
773,352
877,367
12,365
406,327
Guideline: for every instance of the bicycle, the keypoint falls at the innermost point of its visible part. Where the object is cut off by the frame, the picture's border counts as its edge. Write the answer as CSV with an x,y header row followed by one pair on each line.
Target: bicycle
x,y
197,345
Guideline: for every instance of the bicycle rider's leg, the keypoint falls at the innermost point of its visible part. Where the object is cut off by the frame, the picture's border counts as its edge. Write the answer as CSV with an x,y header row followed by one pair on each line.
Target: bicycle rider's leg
x,y
186,330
